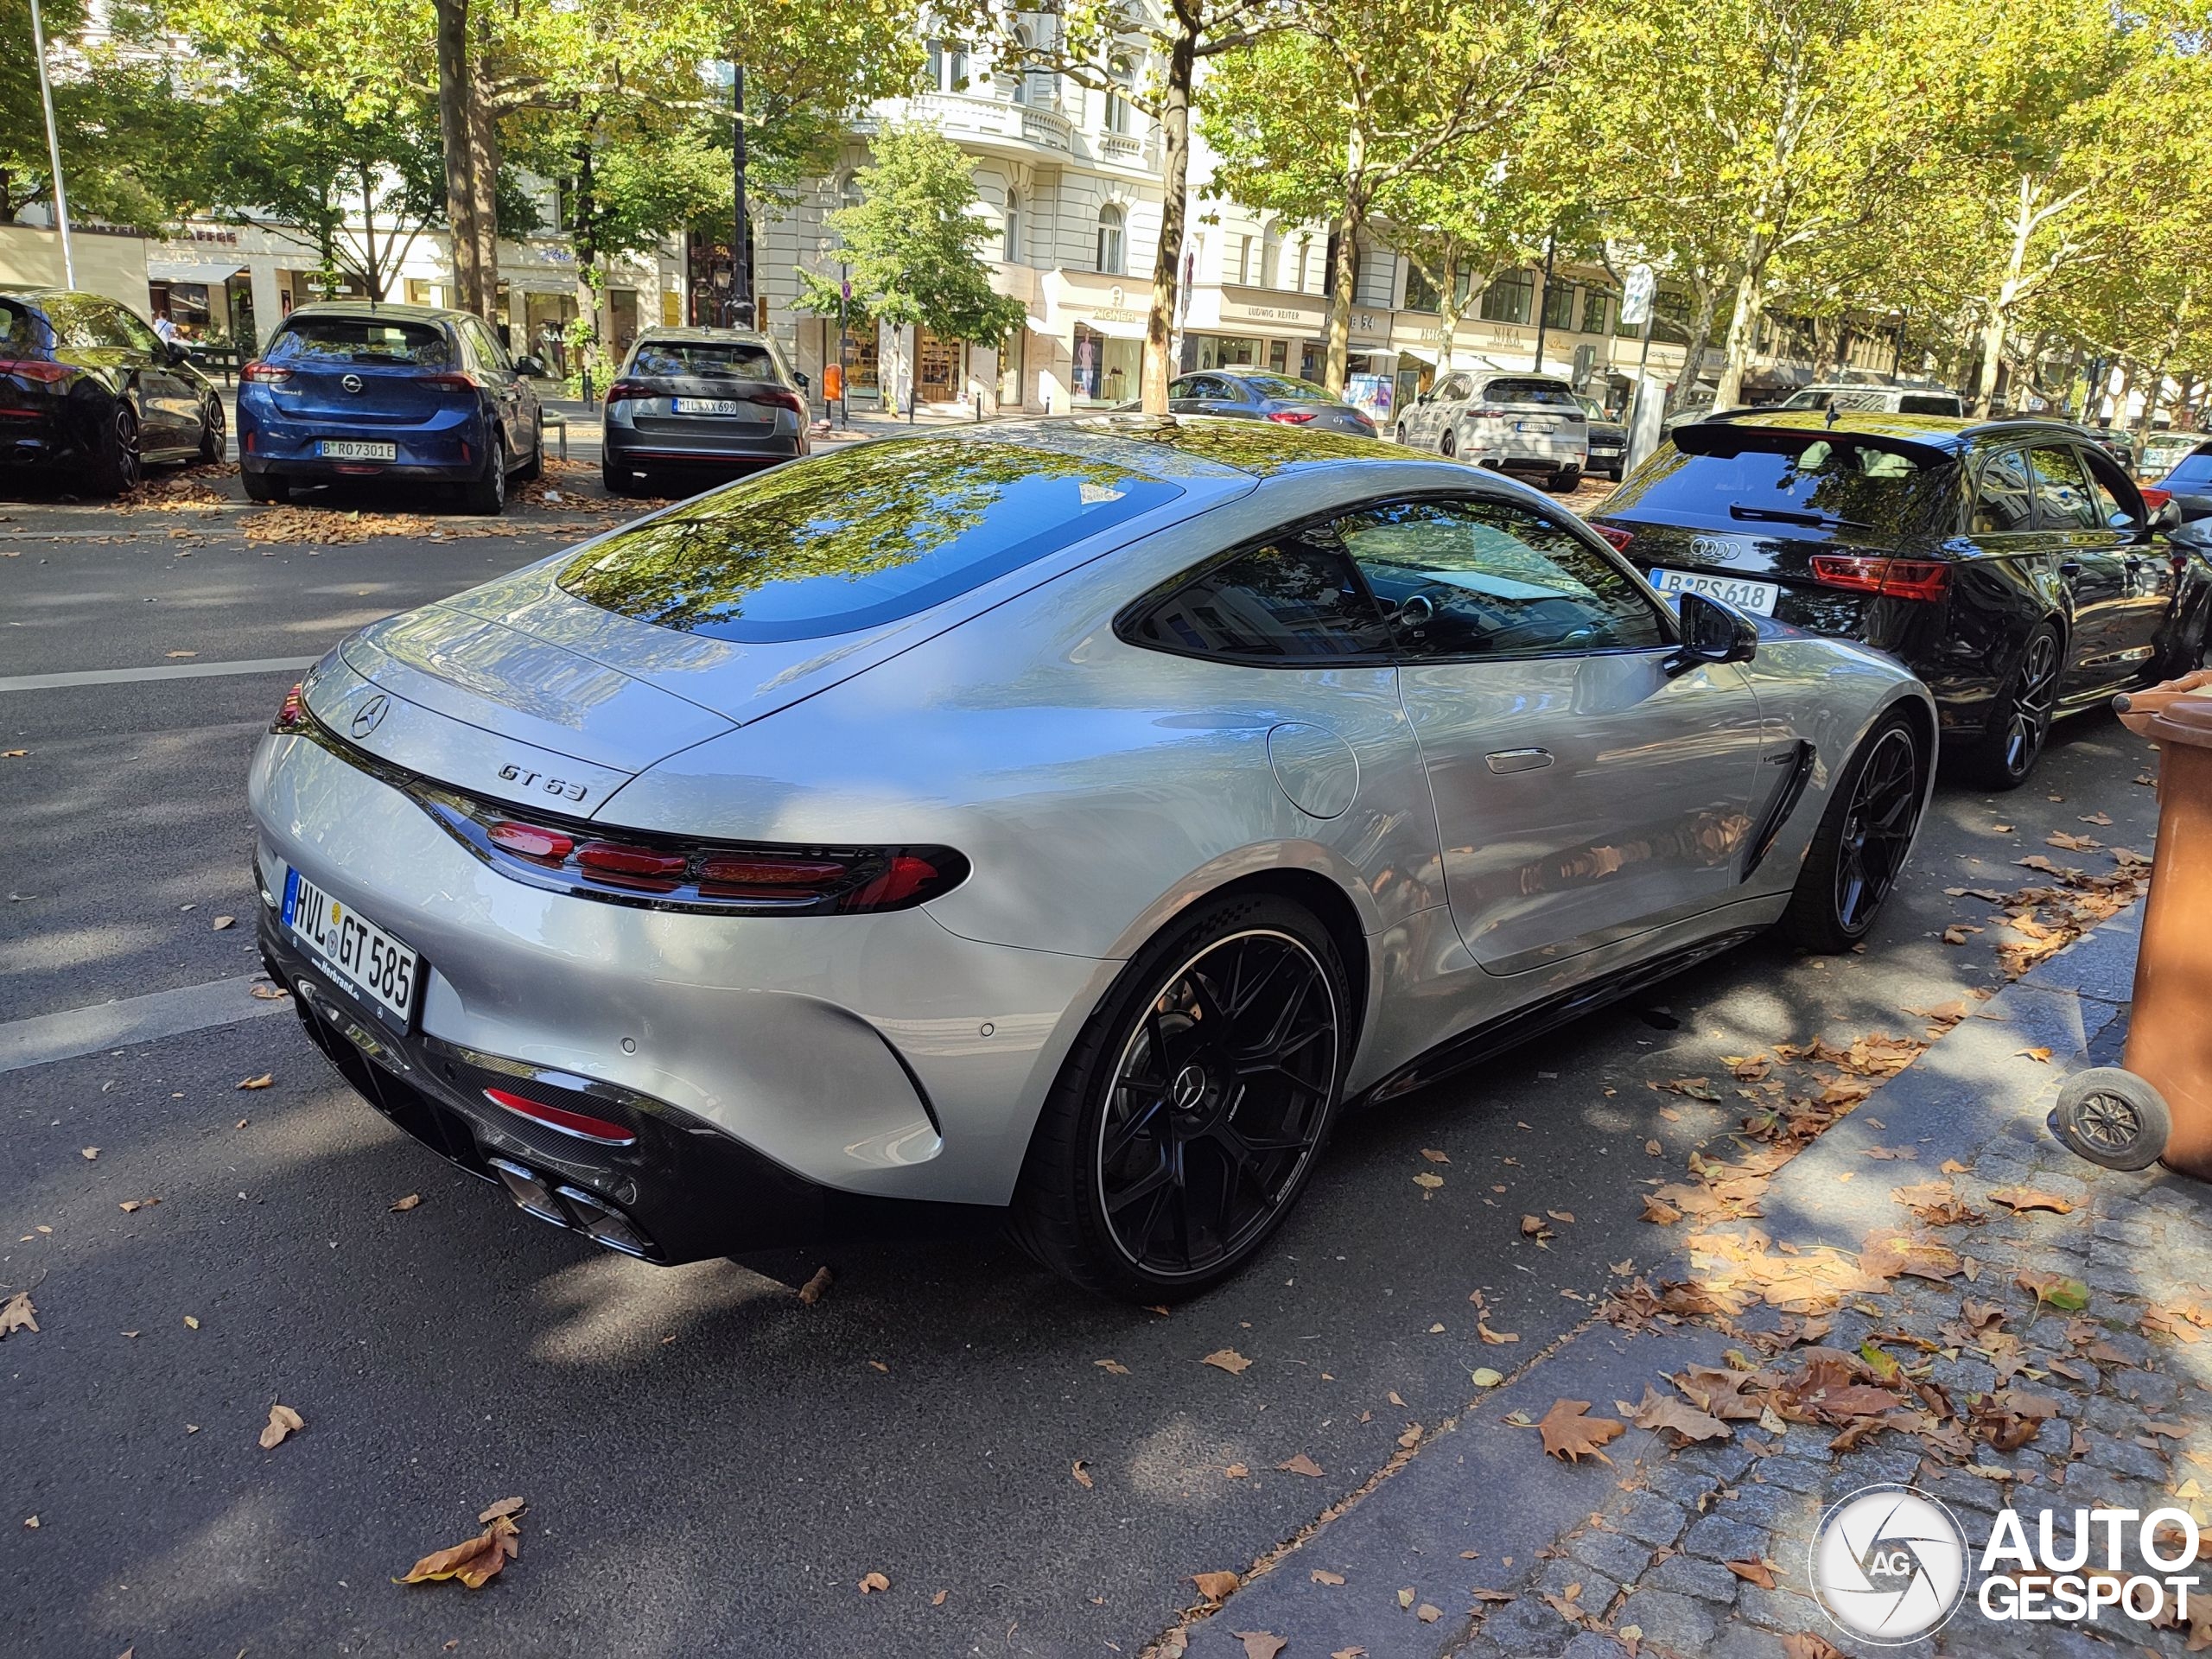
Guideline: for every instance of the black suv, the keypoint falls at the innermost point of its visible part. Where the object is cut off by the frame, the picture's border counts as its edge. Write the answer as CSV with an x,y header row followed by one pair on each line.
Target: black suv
x,y
90,393
2012,564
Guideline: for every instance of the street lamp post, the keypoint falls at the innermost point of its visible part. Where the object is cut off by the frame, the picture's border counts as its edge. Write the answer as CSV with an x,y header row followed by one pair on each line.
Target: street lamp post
x,y
741,261
53,150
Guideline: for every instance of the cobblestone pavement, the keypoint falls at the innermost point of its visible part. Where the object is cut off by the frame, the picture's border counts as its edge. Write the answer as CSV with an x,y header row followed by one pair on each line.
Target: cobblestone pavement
x,y
2100,1386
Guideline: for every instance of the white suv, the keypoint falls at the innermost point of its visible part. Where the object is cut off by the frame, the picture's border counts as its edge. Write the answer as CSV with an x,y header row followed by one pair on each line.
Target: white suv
x,y
1880,400
1515,422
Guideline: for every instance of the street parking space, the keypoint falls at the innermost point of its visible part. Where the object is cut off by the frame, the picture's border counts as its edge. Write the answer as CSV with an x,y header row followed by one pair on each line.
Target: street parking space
x,y
709,1461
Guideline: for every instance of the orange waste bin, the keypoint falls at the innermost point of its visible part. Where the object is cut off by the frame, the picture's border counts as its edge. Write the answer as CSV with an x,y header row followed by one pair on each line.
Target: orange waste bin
x,y
2158,1106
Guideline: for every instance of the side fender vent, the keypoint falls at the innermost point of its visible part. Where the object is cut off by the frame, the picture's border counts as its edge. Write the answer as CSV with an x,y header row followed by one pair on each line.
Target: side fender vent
x,y
1796,772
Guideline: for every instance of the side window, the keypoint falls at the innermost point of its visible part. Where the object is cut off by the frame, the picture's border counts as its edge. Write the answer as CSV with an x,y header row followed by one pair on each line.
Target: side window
x,y
1209,386
1483,578
1283,602
485,345
2002,504
2104,501
2062,489
120,328
1455,387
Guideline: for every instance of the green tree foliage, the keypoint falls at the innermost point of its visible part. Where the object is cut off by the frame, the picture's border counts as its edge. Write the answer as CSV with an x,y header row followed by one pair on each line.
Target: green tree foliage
x,y
912,243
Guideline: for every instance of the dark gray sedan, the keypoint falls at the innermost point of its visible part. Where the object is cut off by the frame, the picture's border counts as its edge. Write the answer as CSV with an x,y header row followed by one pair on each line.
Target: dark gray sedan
x,y
1256,394
700,401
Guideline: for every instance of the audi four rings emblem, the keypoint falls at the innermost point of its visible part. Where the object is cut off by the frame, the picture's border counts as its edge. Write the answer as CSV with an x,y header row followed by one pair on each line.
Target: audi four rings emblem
x,y
352,383
370,715
1719,549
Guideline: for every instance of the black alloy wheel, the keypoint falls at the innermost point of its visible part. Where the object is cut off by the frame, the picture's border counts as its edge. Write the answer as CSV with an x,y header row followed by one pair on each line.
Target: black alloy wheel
x,y
1864,837
2015,742
212,435
1448,445
1187,1119
116,467
1222,1092
1877,828
488,494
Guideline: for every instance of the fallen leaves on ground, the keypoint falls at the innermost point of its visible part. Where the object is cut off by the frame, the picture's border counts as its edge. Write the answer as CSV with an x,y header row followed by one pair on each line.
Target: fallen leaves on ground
x,y
1658,1411
1428,1181
16,1313
1937,1203
2020,1199
1569,1432
1259,1644
1216,1587
268,993
2068,1295
1301,1465
1322,1575
1759,1572
1434,1156
815,1288
872,1583
283,1421
413,1200
1806,1645
1227,1359
1080,1473
476,1562
262,1082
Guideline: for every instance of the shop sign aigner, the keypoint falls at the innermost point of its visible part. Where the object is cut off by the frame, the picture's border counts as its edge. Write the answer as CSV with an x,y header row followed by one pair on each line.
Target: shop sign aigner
x,y
1891,1565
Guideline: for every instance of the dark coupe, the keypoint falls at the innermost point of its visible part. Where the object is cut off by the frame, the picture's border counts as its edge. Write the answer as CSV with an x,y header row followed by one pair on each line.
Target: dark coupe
x,y
89,393
2012,564
1255,395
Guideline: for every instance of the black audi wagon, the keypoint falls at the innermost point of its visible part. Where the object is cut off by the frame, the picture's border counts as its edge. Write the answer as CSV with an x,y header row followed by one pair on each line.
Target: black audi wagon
x,y
2012,564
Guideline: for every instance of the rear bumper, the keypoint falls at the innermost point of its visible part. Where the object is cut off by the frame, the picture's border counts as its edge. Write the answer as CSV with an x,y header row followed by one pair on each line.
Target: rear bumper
x,y
659,449
448,447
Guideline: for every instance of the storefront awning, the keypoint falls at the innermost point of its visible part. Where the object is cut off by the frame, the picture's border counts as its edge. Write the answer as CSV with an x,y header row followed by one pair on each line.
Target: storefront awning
x,y
178,270
1114,327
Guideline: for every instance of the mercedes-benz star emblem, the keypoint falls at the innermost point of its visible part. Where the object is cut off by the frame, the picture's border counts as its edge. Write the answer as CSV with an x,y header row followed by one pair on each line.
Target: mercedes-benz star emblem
x,y
352,383
1190,1088
371,713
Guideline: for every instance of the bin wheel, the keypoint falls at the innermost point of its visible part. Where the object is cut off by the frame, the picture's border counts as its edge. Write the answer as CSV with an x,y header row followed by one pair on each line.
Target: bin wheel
x,y
2112,1118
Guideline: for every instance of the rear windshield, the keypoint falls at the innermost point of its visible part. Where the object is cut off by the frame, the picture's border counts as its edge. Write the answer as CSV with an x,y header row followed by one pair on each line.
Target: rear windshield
x,y
2192,469
17,331
854,539
1782,480
1923,402
722,359
1549,392
361,339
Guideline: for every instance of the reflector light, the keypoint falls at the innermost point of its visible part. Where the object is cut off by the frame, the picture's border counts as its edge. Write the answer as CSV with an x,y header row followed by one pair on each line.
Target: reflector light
x,y
1616,538
611,858
1291,417
559,1117
263,373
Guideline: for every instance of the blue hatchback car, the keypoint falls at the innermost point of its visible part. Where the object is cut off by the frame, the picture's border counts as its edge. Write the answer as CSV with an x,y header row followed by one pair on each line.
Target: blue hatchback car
x,y
363,389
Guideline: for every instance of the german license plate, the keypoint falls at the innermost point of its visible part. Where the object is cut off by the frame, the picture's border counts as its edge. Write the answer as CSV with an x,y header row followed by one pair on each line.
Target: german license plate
x,y
1535,426
711,406
354,449
362,957
1745,596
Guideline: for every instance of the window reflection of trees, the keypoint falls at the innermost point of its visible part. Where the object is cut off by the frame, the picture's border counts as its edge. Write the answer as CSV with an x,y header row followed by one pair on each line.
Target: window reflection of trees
x,y
847,517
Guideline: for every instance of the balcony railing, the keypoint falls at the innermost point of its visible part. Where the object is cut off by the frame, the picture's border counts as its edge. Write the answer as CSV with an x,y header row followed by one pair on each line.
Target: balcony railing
x,y
967,113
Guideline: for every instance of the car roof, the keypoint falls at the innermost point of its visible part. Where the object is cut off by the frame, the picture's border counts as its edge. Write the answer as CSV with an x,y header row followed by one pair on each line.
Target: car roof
x,y
397,310
36,292
703,333
1952,434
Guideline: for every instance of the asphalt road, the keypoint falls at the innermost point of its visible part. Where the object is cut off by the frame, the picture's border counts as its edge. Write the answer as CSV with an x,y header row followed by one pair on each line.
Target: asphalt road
x,y
710,1466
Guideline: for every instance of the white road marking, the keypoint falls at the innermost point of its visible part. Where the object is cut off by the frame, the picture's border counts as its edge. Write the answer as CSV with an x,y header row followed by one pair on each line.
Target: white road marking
x,y
164,672
74,1032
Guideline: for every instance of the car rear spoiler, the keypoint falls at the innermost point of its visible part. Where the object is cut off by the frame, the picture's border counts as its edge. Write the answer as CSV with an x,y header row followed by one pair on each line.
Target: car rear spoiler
x,y
1733,433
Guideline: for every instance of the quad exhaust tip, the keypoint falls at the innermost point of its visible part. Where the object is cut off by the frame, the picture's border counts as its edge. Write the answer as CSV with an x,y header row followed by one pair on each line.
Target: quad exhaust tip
x,y
572,1208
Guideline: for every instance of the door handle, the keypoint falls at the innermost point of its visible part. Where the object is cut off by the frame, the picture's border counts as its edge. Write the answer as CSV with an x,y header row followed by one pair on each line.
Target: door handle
x,y
1505,761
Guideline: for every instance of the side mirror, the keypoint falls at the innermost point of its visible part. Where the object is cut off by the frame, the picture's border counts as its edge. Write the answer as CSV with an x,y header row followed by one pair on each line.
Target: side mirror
x,y
176,351
2165,518
530,368
1712,632
804,382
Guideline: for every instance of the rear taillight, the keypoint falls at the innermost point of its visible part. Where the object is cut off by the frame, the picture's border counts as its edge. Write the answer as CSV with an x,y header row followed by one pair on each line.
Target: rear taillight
x,y
1487,414
1923,579
451,380
779,399
1291,417
561,1118
292,716
1616,538
38,369
627,867
265,374
622,390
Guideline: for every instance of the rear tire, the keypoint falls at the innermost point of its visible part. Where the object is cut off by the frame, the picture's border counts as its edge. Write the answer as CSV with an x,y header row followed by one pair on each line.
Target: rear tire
x,y
1448,445
1864,840
1566,480
618,479
488,494
116,465
1193,1110
266,486
2007,752
212,434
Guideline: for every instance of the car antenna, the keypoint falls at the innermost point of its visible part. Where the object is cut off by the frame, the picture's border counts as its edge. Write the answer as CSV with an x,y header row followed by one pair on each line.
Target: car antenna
x,y
1833,414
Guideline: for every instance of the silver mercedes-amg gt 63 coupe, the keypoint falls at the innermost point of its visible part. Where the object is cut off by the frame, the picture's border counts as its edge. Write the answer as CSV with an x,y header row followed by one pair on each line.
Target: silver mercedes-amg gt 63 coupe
x,y
1069,819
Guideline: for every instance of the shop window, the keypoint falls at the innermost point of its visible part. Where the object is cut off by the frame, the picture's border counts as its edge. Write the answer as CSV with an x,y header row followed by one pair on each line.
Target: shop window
x,y
1278,355
1112,222
1508,297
